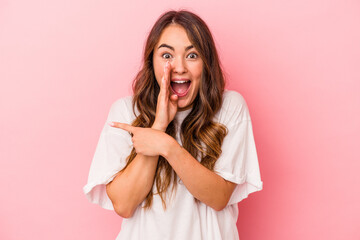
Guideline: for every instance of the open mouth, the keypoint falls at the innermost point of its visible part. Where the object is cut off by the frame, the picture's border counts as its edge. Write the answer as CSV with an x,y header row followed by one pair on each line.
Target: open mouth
x,y
180,87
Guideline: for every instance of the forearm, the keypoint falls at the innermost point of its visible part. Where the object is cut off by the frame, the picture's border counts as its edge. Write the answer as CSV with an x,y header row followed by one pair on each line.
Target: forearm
x,y
202,183
131,186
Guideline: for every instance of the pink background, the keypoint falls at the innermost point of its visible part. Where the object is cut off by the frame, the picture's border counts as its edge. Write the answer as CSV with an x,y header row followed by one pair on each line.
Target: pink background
x,y
297,64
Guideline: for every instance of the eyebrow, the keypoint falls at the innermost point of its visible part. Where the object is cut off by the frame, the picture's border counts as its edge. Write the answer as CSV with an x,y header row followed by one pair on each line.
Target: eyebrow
x,y
172,48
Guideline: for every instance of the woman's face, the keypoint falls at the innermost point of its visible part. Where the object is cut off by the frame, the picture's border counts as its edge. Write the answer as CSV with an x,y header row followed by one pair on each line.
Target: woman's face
x,y
186,64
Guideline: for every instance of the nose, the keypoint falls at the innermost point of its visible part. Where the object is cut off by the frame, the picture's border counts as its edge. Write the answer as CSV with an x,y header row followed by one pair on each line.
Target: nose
x,y
179,66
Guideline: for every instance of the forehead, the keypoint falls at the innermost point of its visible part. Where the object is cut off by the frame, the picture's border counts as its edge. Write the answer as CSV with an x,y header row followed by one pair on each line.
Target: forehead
x,y
174,35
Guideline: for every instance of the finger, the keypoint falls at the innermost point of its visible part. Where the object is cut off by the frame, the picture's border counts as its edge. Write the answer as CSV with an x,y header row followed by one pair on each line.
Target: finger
x,y
167,75
174,98
165,80
174,102
123,126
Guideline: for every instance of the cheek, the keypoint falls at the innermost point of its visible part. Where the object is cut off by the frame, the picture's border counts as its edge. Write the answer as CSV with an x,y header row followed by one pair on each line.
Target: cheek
x,y
197,70
197,73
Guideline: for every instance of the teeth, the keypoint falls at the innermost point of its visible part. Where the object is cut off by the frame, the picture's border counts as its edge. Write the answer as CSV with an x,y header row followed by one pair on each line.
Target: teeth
x,y
181,81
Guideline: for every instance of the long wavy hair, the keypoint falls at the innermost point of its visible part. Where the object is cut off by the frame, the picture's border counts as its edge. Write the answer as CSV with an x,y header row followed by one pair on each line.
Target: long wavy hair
x,y
200,135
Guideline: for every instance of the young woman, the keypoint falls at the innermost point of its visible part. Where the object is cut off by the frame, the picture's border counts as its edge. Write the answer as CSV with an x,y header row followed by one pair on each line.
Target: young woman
x,y
178,155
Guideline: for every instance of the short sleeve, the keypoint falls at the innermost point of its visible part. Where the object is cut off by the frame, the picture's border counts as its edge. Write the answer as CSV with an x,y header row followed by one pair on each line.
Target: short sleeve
x,y
238,161
113,147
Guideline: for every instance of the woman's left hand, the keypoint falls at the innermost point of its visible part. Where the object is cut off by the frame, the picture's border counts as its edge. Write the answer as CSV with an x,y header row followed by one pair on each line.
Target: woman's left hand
x,y
147,141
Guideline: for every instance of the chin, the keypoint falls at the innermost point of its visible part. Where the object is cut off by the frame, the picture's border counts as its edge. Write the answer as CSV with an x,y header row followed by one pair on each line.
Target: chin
x,y
184,105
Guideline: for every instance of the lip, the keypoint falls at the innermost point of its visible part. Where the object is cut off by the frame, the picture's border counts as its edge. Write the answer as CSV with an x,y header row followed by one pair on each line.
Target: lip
x,y
181,79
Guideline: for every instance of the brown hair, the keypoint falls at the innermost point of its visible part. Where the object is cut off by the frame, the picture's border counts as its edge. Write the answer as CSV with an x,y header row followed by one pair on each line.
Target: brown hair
x,y
200,136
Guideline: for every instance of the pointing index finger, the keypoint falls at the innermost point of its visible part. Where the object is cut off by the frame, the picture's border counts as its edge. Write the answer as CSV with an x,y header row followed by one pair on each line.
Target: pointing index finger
x,y
123,126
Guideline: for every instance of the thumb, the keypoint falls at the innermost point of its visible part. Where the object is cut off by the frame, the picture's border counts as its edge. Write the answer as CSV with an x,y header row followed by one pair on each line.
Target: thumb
x,y
174,98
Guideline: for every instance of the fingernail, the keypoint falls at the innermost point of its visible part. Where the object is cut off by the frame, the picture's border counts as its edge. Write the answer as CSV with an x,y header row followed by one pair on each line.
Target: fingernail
x,y
111,124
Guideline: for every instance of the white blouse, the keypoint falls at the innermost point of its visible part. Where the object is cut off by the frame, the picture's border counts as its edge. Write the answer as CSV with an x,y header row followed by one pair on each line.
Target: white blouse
x,y
183,218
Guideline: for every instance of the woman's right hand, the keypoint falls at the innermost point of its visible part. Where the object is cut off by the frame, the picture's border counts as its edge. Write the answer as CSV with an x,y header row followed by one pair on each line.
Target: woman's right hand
x,y
166,102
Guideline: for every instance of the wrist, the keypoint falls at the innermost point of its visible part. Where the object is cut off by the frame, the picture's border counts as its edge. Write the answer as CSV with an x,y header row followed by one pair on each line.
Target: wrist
x,y
158,127
171,146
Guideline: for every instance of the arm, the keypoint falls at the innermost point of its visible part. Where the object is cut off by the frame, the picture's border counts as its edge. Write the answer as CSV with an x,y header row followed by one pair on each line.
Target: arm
x,y
202,183
130,187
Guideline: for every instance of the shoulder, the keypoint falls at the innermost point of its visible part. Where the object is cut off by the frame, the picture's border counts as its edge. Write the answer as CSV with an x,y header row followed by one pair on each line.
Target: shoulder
x,y
233,98
122,102
121,110
233,110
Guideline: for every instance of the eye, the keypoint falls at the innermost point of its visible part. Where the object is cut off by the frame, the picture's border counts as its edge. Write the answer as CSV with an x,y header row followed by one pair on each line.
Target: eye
x,y
166,56
192,55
